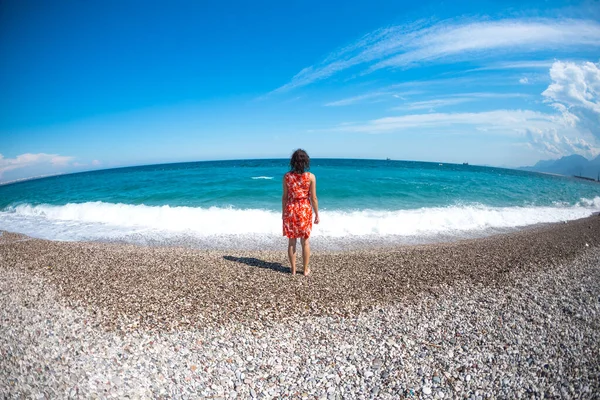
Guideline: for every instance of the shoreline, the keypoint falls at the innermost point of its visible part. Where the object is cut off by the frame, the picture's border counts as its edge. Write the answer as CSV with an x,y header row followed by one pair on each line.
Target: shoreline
x,y
323,245
506,316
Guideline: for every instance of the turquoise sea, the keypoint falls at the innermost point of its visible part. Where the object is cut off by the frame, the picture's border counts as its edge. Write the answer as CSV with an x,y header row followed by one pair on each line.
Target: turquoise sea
x,y
238,203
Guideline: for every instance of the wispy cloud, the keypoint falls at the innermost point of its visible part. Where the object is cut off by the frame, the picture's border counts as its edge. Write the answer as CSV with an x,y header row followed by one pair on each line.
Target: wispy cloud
x,y
94,163
357,99
490,95
510,121
406,46
433,104
455,99
454,82
515,65
451,99
371,97
29,159
552,134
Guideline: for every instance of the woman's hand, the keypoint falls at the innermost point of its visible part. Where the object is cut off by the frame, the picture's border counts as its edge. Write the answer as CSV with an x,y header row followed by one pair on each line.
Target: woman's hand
x,y
317,220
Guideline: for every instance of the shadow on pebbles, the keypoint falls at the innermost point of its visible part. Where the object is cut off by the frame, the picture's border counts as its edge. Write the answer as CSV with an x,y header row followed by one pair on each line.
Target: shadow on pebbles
x,y
501,317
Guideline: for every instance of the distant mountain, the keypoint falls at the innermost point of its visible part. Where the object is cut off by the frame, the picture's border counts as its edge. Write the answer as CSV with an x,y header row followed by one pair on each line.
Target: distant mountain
x,y
568,165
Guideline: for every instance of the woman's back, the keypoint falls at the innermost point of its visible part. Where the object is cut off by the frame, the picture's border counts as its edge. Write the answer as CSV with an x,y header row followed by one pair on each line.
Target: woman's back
x,y
298,186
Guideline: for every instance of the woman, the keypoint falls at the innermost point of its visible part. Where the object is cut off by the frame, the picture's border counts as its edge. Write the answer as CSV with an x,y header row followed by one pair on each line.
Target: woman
x,y
297,204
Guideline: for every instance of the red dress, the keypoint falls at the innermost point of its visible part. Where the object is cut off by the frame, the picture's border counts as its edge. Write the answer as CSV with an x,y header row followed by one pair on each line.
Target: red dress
x,y
297,216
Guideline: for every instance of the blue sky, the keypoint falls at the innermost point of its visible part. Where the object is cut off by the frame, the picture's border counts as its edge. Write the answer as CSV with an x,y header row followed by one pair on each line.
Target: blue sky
x,y
101,84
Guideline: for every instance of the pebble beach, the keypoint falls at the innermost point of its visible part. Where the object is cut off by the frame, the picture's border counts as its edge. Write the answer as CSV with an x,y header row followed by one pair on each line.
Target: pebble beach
x,y
509,316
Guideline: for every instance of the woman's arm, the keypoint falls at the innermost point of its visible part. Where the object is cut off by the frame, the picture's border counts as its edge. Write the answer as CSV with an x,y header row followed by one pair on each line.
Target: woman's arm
x,y
283,198
313,197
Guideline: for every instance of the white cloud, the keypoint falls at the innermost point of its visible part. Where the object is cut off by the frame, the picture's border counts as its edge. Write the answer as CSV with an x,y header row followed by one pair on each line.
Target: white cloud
x,y
574,86
575,93
404,46
29,159
96,162
575,128
524,80
551,143
60,160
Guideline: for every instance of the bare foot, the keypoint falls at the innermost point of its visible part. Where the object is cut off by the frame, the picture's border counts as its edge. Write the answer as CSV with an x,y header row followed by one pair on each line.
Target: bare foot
x,y
293,271
307,272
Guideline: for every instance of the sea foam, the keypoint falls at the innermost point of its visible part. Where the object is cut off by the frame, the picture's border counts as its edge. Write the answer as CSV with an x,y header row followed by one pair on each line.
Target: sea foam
x,y
108,221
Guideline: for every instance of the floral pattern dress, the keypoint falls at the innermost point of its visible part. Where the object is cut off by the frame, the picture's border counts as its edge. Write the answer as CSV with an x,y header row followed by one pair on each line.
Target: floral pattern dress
x,y
297,216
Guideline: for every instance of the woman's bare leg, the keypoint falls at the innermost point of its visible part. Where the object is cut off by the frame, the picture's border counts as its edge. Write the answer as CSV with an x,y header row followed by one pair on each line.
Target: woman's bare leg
x,y
305,254
292,254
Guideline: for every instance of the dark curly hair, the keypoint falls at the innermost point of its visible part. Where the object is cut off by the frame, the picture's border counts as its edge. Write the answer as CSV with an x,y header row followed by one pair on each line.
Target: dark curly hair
x,y
300,161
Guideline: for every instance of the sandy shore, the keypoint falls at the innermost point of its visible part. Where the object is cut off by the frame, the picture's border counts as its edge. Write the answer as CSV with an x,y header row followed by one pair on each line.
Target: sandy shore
x,y
515,314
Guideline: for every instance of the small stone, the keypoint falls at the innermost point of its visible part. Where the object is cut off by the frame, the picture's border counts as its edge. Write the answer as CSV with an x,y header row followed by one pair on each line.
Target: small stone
x,y
426,390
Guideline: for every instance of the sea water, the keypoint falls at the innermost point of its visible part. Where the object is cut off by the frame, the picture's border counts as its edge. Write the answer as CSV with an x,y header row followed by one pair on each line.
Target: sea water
x,y
237,204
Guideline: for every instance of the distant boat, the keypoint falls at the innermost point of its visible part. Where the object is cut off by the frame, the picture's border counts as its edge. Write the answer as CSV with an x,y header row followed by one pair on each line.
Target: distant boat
x,y
465,163
388,159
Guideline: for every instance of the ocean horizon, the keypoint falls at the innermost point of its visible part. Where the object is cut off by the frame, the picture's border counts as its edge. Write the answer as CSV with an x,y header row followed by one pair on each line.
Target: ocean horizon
x,y
236,203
